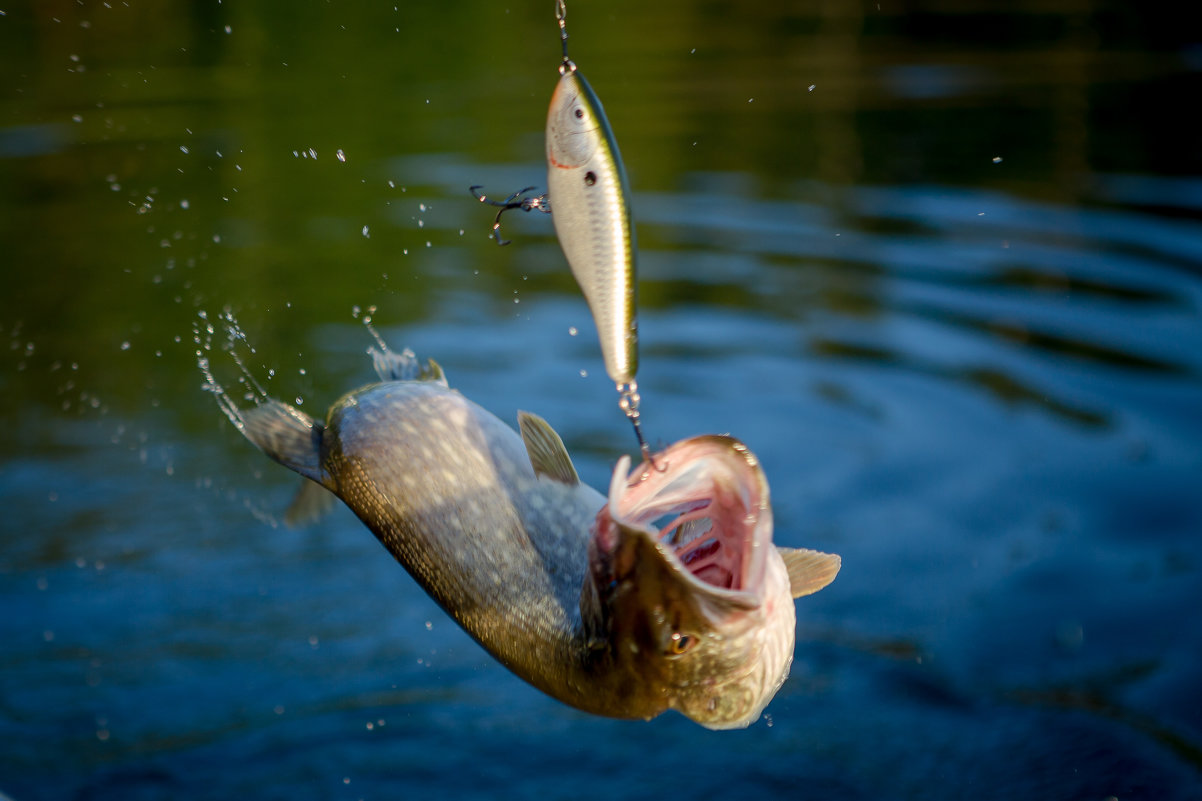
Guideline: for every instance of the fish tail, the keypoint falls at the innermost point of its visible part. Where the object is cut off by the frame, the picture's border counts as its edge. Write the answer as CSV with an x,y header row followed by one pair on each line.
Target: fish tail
x,y
286,434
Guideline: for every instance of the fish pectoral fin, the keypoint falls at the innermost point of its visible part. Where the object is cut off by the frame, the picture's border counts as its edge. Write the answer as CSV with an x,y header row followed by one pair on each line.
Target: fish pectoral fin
x,y
547,454
310,503
286,434
404,366
809,571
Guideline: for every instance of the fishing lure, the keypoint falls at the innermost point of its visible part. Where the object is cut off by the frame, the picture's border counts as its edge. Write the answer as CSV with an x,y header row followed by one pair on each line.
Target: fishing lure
x,y
588,186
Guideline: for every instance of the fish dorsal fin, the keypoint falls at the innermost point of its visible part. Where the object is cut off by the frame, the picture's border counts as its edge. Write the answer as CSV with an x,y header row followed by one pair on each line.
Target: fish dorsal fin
x,y
809,571
404,366
433,372
547,454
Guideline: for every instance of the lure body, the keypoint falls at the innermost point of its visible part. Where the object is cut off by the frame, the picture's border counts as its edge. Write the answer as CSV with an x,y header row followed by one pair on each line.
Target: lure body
x,y
588,188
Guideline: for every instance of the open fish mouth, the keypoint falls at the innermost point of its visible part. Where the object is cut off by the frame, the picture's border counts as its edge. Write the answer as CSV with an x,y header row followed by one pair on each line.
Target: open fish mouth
x,y
705,503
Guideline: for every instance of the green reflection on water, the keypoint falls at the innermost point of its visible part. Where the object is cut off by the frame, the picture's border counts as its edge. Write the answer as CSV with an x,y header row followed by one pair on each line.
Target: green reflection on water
x,y
159,158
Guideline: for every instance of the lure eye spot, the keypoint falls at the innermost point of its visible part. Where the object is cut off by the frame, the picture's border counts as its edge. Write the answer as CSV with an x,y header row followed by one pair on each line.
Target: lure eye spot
x,y
590,178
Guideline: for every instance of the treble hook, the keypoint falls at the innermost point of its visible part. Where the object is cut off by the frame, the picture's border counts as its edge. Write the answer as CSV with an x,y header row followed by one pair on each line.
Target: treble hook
x,y
514,201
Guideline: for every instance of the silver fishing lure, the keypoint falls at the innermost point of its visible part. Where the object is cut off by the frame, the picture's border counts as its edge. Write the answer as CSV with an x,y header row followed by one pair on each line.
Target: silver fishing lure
x,y
587,184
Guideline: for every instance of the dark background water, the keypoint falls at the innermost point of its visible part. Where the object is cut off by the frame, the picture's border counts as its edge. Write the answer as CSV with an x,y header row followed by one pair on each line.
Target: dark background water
x,y
938,263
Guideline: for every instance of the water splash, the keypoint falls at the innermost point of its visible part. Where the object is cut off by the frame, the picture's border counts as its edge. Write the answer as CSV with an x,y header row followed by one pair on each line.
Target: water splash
x,y
203,332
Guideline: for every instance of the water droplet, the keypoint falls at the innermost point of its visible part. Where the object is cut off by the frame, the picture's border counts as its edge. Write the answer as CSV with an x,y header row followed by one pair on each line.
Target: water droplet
x,y
183,148
341,156
572,330
997,159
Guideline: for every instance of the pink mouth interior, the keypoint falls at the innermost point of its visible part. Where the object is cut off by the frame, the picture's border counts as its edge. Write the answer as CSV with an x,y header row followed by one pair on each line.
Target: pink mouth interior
x,y
692,537
709,527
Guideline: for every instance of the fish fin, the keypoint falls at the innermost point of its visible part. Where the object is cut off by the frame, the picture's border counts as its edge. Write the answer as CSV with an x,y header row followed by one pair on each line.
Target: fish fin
x,y
310,503
433,372
286,434
809,571
404,366
547,454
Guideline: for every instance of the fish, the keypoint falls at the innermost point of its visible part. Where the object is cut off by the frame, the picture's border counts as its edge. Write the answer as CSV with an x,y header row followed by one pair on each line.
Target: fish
x,y
589,190
665,593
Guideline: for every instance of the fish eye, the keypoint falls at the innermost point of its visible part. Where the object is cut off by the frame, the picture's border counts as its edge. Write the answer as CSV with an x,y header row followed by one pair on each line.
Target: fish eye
x,y
680,643
579,113
590,178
